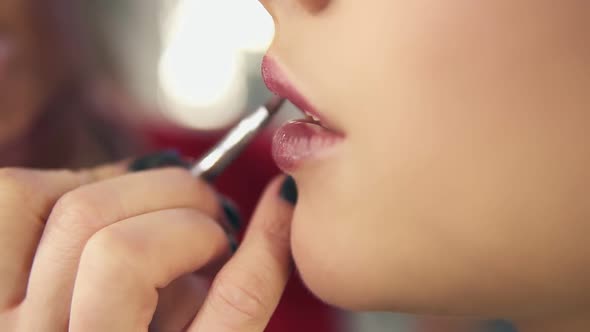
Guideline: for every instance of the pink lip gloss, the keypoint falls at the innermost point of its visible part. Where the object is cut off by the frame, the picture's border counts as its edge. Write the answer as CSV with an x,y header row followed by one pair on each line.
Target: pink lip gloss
x,y
302,140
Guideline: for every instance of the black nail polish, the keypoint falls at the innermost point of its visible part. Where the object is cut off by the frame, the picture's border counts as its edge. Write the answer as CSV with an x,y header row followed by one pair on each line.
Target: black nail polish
x,y
232,214
168,158
233,243
289,191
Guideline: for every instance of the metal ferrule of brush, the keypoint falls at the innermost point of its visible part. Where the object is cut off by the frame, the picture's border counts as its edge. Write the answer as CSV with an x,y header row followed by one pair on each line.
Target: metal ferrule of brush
x,y
237,139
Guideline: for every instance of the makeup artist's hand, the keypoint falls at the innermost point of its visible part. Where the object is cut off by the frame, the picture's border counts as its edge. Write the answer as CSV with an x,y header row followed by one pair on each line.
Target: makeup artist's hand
x,y
103,250
88,250
247,290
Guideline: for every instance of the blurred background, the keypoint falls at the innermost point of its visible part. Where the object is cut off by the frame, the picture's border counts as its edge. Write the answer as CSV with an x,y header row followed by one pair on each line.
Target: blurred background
x,y
197,62
84,82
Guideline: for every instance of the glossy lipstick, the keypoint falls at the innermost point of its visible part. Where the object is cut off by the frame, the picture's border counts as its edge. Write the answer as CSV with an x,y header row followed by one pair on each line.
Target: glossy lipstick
x,y
277,82
300,141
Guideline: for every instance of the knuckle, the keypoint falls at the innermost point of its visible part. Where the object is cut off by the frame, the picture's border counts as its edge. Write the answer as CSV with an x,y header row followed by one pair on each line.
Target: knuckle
x,y
279,233
107,253
74,209
239,297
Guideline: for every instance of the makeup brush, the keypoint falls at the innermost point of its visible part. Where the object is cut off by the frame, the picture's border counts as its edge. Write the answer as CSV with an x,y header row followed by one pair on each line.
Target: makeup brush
x,y
216,160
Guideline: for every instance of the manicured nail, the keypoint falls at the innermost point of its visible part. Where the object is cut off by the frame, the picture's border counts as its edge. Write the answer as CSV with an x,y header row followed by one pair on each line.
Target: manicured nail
x,y
233,242
158,160
289,191
232,214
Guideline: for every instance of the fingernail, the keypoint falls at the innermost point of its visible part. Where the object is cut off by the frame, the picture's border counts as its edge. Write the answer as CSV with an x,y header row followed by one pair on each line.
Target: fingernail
x,y
233,242
289,191
232,214
167,158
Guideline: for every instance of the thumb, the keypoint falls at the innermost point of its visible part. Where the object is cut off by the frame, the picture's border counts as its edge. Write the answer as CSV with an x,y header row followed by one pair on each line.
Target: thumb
x,y
248,288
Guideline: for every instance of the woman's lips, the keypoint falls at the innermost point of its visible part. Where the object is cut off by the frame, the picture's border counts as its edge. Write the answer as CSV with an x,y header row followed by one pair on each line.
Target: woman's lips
x,y
301,140
277,82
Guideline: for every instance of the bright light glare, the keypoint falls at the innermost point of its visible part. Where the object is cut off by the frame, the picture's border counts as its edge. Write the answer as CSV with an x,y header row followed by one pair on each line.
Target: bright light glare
x,y
255,27
194,76
202,75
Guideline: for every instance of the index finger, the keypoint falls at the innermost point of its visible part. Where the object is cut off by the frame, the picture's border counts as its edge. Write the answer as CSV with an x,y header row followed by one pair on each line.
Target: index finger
x,y
248,288
26,198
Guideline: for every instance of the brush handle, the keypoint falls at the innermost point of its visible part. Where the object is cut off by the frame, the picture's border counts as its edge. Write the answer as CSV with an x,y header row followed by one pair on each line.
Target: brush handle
x,y
216,160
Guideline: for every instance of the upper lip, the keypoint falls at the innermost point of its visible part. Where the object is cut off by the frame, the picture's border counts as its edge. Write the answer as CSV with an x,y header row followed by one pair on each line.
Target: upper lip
x,y
277,82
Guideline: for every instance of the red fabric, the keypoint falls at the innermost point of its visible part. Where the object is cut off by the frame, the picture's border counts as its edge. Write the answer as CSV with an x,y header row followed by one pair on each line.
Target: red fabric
x,y
243,182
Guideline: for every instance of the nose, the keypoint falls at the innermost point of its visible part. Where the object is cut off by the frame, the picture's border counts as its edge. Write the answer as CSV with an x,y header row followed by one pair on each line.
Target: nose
x,y
314,6
311,6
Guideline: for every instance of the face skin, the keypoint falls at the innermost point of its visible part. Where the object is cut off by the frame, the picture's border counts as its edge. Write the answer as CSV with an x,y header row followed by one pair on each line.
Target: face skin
x,y
462,186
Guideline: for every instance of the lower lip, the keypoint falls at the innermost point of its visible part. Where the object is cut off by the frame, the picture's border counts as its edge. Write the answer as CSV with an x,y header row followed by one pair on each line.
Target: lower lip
x,y
298,142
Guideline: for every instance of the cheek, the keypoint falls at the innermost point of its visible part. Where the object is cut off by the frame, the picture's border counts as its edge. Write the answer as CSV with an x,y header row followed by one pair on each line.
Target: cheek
x,y
328,268
351,241
467,171
328,249
477,203
446,235
421,213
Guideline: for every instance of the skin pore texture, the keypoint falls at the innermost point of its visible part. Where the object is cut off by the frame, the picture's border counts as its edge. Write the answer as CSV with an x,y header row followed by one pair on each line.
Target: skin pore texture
x,y
462,185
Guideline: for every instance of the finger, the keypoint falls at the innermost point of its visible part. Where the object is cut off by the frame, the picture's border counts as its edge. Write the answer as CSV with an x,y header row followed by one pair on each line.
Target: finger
x,y
88,209
179,302
124,265
26,197
247,290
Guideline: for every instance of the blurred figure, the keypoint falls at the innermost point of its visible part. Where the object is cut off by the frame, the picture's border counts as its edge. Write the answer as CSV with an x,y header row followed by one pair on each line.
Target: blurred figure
x,y
54,112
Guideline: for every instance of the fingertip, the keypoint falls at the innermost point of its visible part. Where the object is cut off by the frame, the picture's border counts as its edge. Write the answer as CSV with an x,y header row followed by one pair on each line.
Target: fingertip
x,y
247,290
289,191
282,187
231,213
270,225
278,199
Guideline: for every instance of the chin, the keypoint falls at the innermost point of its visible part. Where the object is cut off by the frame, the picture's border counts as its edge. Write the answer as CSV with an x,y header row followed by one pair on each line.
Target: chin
x,y
345,271
329,271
